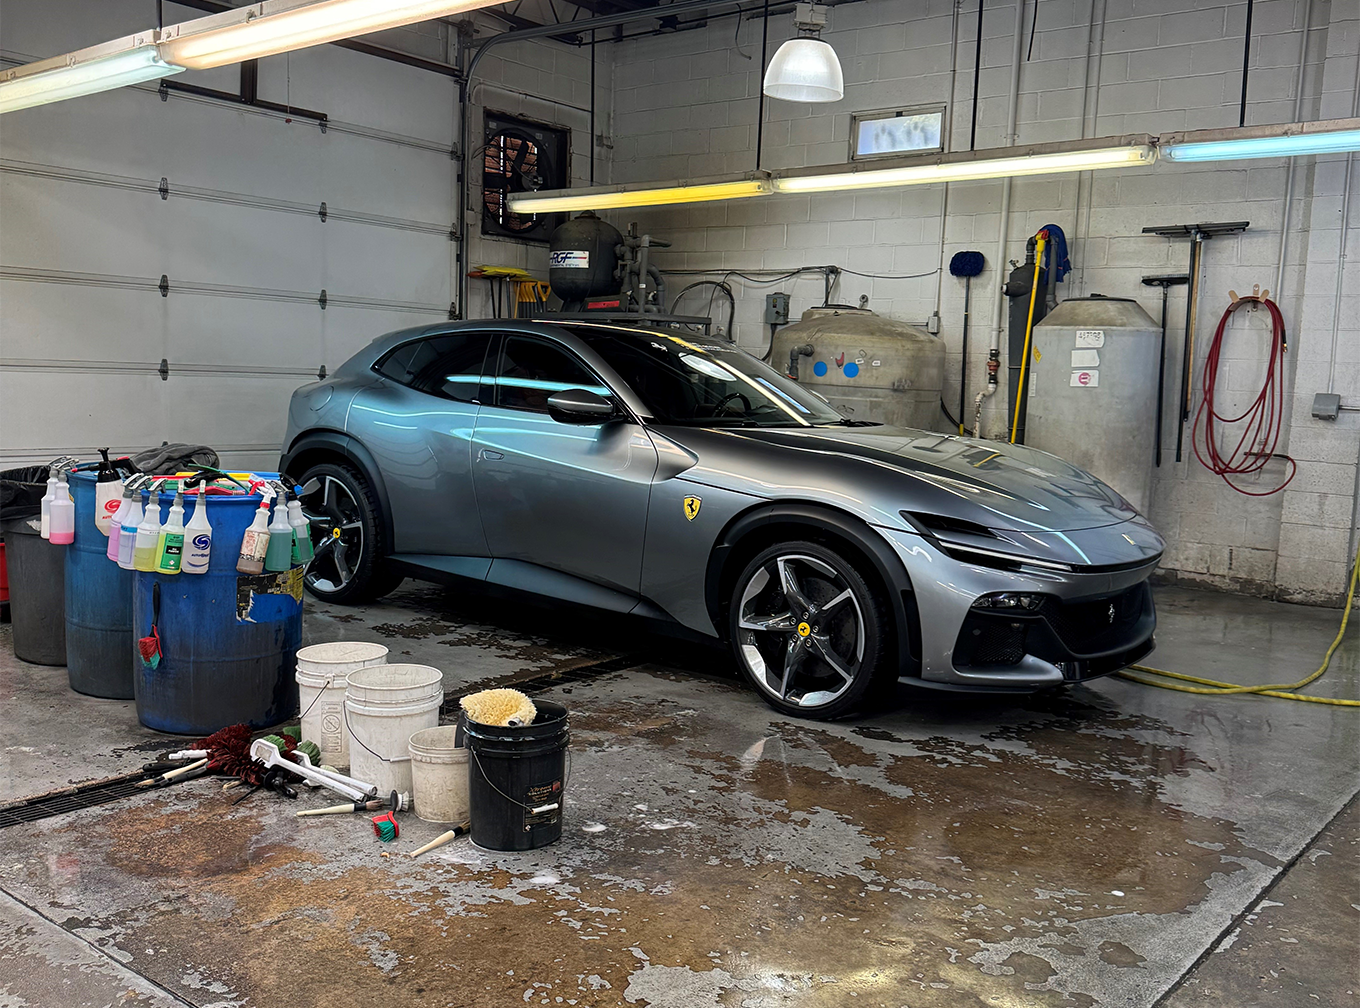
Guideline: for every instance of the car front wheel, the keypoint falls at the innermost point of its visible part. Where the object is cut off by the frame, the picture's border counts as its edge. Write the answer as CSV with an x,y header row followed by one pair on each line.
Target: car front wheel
x,y
809,631
346,529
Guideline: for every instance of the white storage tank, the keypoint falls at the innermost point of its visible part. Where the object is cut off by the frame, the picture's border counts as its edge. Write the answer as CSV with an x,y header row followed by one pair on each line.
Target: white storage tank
x,y
1093,391
873,367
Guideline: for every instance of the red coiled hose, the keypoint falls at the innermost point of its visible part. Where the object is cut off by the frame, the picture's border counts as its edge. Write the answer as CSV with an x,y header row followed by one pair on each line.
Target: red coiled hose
x,y
1260,422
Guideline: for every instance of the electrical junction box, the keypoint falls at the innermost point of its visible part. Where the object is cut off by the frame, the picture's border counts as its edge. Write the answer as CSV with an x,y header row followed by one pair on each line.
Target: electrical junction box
x,y
1326,405
777,309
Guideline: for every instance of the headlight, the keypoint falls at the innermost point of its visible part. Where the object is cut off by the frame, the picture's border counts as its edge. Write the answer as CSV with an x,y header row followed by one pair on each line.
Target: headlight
x,y
1009,600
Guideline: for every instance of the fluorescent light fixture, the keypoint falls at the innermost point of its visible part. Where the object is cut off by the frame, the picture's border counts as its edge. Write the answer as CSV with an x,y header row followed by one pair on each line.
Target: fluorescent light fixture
x,y
87,71
275,26
613,197
1336,136
1002,163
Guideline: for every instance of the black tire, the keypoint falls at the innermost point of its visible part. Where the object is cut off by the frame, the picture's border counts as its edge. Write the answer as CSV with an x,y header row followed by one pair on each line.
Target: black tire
x,y
359,521
843,652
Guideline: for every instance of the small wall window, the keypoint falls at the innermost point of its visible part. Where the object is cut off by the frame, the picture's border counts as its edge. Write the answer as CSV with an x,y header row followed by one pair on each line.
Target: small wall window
x,y
521,156
896,131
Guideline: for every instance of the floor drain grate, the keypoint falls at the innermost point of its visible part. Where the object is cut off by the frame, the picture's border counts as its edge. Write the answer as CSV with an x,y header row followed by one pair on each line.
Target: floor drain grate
x,y
73,799
542,681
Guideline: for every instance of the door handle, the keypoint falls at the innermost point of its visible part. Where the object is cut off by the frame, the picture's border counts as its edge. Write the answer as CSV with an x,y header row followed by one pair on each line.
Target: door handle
x,y
490,456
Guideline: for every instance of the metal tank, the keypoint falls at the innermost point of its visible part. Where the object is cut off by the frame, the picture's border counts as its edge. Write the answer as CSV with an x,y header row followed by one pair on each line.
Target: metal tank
x,y
1093,391
582,260
872,367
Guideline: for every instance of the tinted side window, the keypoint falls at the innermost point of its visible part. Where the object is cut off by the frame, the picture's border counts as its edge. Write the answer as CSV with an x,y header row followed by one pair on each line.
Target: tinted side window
x,y
447,366
531,370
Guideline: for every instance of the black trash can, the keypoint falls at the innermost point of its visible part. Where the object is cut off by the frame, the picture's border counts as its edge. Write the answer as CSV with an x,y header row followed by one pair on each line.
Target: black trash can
x,y
37,569
516,779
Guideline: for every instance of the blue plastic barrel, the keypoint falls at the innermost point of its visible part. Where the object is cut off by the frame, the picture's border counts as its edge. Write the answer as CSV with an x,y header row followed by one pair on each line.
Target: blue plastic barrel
x,y
228,641
98,606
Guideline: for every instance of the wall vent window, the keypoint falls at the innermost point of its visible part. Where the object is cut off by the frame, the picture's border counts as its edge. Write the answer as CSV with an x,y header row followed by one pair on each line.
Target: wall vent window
x,y
521,156
896,131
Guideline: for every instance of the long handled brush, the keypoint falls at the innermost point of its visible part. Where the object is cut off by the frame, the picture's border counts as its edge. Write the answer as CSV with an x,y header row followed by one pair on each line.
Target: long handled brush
x,y
150,647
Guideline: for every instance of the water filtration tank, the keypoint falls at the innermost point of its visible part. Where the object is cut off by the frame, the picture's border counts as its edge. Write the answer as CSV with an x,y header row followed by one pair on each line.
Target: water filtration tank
x,y
872,367
1093,391
581,258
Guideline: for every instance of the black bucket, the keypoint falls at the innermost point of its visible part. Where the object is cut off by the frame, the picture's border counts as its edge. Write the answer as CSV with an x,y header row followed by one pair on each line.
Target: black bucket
x,y
513,772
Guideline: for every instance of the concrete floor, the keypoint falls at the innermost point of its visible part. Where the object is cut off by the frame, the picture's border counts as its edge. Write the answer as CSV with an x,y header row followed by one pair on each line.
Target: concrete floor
x,y
1114,845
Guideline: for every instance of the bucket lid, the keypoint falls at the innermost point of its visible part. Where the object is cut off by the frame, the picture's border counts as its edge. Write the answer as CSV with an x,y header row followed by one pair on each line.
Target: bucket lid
x,y
342,652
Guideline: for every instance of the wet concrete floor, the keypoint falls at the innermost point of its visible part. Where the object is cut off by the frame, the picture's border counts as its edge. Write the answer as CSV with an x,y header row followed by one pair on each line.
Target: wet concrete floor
x,y
1111,845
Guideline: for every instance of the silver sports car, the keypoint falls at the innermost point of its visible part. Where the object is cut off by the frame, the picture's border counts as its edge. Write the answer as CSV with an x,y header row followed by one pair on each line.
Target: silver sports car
x,y
679,478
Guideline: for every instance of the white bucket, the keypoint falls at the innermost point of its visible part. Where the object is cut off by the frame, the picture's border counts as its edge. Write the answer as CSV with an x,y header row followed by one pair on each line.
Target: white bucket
x,y
384,706
439,775
321,672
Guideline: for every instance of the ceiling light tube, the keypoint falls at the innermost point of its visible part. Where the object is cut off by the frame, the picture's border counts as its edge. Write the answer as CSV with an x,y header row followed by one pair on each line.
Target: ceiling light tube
x,y
275,26
1337,136
614,197
944,169
100,68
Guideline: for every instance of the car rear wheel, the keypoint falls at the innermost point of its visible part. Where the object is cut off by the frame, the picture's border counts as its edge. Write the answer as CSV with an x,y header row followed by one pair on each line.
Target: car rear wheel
x,y
346,526
809,631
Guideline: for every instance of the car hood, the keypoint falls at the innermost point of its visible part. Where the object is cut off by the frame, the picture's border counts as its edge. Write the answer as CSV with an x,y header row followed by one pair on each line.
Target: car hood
x,y
997,485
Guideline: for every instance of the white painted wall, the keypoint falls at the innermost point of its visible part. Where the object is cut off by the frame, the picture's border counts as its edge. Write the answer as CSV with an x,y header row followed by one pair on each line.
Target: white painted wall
x,y
685,105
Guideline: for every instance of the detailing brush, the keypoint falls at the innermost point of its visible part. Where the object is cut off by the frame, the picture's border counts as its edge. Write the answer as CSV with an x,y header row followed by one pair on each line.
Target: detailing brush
x,y
396,802
440,840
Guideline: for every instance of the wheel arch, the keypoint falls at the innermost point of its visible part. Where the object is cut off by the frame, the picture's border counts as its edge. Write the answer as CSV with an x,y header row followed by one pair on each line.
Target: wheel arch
x,y
316,446
753,530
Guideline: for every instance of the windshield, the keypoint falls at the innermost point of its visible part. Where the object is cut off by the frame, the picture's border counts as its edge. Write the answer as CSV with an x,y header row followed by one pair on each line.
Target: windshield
x,y
699,382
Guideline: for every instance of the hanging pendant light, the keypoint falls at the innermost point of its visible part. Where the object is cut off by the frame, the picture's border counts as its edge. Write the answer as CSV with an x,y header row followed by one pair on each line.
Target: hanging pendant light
x,y
806,69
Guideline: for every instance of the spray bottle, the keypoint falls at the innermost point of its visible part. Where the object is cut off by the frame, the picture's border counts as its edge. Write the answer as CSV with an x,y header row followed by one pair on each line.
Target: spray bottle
x,y
280,555
170,546
255,543
62,513
116,523
198,536
127,536
302,533
108,489
47,500
148,532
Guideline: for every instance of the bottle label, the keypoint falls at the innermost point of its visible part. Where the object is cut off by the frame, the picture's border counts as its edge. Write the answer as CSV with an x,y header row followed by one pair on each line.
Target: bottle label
x,y
253,546
173,550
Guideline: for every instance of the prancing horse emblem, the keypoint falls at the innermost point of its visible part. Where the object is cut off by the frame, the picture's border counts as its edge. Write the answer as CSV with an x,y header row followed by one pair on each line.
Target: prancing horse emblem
x,y
692,507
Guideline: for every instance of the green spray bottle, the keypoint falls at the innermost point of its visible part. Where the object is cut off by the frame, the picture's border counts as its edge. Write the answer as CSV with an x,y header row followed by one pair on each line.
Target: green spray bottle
x,y
280,554
170,548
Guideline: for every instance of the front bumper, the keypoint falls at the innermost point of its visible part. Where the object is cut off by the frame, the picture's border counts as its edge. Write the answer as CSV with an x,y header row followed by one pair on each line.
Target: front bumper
x,y
1089,625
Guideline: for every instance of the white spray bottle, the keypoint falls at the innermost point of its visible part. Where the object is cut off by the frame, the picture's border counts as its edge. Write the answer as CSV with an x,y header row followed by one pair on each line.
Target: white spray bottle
x,y
47,500
62,514
198,536
116,524
127,535
255,543
279,557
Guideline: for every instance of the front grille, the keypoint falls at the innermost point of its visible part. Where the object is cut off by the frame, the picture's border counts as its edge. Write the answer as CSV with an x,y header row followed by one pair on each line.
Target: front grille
x,y
1084,637
1093,626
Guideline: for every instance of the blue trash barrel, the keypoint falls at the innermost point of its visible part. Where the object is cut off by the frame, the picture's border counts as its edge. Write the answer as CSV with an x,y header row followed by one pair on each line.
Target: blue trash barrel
x,y
98,606
228,641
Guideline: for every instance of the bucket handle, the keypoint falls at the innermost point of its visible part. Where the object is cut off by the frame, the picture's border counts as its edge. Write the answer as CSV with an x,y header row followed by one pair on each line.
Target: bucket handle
x,y
566,776
330,681
353,735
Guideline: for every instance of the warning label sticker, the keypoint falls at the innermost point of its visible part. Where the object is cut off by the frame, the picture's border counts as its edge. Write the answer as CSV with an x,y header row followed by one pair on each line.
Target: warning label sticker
x,y
1085,379
538,797
569,259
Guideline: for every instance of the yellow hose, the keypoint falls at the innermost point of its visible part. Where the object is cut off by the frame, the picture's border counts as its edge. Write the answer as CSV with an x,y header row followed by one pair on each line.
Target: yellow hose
x,y
1040,239
1281,690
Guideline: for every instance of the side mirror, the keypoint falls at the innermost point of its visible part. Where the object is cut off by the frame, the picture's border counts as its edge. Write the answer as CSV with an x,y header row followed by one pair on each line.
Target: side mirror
x,y
580,406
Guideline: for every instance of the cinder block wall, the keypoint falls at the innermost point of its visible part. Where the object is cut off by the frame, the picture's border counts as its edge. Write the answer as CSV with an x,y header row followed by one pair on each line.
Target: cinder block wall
x,y
686,106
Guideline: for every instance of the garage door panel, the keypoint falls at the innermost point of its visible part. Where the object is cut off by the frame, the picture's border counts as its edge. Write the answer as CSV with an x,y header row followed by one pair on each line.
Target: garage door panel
x,y
63,321
386,263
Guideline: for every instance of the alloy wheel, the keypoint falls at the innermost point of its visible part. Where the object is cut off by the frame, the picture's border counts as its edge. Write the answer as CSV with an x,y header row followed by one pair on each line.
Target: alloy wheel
x,y
337,535
800,630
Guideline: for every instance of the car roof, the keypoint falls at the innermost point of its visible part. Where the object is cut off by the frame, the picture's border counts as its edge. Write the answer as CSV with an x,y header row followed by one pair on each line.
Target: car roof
x,y
539,326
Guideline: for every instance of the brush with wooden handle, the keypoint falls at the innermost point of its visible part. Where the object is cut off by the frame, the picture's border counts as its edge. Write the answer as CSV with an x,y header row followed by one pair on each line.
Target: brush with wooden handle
x,y
170,775
441,840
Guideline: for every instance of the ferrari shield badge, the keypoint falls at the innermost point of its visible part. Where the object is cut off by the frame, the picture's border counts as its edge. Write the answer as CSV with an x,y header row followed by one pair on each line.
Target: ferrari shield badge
x,y
692,507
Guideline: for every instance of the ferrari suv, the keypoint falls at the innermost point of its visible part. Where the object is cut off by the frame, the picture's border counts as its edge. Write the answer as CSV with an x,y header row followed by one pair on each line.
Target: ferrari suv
x,y
676,477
